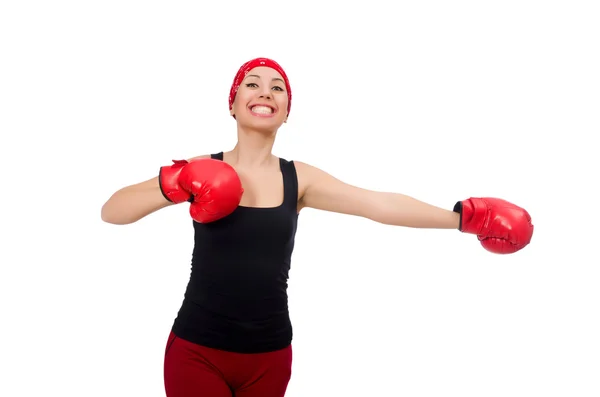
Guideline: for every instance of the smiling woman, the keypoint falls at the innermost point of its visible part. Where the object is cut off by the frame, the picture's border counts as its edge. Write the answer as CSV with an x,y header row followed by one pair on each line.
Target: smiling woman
x,y
265,92
233,334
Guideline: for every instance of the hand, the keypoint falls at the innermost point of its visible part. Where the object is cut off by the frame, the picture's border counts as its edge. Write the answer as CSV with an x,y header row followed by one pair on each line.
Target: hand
x,y
500,226
214,186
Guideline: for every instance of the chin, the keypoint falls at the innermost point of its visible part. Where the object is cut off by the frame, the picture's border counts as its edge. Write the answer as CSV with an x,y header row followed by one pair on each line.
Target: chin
x,y
264,125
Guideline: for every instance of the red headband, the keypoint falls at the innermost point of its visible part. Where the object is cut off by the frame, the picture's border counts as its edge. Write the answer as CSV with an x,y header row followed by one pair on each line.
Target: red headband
x,y
248,66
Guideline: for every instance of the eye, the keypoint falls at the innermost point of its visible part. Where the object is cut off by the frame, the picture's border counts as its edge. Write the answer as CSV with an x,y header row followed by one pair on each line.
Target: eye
x,y
277,88
251,85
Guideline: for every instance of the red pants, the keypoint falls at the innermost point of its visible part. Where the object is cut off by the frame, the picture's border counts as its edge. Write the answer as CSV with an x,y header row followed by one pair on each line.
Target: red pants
x,y
191,370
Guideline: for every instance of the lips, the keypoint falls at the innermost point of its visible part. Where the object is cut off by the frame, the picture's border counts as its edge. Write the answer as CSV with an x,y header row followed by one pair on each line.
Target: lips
x,y
262,110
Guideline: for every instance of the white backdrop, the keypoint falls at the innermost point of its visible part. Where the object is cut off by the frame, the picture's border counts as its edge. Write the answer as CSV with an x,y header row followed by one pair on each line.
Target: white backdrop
x,y
438,100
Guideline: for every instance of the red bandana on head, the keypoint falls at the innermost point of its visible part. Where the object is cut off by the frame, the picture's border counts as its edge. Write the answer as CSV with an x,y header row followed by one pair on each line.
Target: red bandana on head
x,y
248,66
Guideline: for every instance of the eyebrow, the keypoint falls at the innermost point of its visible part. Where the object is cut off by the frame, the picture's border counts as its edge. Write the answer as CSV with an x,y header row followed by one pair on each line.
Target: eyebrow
x,y
255,75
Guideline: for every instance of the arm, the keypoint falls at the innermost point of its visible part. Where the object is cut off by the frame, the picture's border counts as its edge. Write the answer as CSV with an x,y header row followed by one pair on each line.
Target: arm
x,y
134,202
324,192
501,227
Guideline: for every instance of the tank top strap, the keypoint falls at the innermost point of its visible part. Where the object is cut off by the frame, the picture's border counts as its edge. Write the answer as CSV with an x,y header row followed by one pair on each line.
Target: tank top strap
x,y
217,156
290,184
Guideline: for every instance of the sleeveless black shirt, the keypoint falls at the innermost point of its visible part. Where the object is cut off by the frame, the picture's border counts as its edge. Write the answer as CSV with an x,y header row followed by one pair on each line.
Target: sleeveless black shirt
x,y
236,299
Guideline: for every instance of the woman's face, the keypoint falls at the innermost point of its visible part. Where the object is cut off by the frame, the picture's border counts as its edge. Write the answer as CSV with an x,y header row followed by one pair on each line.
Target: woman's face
x,y
261,101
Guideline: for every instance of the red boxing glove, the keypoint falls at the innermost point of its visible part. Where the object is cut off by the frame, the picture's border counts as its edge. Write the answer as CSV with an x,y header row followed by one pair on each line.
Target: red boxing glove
x,y
215,187
500,226
169,186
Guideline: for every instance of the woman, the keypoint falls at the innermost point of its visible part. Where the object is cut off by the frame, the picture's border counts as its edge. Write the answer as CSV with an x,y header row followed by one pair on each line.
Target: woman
x,y
232,335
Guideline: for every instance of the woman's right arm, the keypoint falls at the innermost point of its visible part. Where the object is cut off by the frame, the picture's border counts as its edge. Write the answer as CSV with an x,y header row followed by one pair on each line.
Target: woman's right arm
x,y
132,203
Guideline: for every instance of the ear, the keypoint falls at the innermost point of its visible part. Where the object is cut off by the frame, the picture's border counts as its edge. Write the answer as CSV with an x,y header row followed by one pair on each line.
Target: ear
x,y
231,112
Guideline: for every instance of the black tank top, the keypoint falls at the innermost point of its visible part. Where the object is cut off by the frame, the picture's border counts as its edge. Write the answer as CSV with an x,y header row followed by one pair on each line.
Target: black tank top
x,y
236,298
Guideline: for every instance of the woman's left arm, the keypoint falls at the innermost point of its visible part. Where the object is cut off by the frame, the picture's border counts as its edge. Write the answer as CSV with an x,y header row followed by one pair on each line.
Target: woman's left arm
x,y
501,227
324,192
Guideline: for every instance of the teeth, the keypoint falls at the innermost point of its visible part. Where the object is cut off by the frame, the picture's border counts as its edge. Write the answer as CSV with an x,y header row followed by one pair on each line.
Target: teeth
x,y
262,109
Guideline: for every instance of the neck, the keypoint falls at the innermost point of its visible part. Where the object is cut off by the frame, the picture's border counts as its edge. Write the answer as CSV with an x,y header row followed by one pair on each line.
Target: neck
x,y
253,148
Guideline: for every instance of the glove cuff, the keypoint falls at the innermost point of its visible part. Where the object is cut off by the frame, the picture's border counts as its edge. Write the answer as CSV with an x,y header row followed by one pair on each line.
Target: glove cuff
x,y
169,185
473,215
458,209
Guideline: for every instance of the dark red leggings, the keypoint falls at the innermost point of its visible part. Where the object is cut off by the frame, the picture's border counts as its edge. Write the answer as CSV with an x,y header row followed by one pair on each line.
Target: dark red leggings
x,y
191,370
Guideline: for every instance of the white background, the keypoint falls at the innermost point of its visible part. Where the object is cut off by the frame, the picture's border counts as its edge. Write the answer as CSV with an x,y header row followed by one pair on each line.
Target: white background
x,y
438,100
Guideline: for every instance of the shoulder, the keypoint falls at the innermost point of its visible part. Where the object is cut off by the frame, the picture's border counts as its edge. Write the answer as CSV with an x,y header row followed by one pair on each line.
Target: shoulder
x,y
309,172
305,169
301,168
203,156
308,175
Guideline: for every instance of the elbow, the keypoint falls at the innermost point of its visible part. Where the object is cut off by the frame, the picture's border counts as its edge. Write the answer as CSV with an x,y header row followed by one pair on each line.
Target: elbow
x,y
108,216
390,218
391,214
114,221
378,214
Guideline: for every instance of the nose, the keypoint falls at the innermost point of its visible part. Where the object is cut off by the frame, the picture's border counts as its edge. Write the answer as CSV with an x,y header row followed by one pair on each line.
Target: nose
x,y
265,93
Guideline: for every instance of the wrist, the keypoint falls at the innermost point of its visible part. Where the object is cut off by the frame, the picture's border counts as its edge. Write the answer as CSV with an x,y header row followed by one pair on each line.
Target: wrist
x,y
168,182
473,213
458,209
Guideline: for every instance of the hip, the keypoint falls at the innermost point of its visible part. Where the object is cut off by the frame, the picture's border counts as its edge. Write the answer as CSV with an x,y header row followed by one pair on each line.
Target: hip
x,y
212,329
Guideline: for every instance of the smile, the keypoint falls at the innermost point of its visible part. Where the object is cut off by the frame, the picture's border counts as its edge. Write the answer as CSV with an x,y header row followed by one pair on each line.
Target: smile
x,y
262,110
